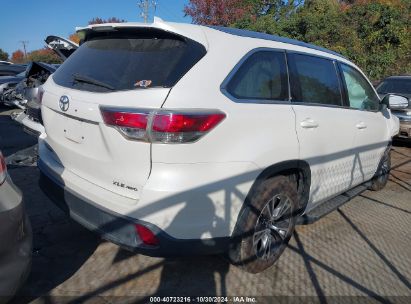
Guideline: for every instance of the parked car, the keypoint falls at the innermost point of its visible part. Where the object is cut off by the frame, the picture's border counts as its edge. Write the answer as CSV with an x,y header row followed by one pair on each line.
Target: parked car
x,y
15,237
36,74
400,85
176,139
27,95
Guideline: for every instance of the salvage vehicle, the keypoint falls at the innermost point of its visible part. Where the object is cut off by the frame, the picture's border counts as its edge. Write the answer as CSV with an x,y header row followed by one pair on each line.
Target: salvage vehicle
x,y
15,237
22,92
400,85
179,139
8,83
31,91
27,95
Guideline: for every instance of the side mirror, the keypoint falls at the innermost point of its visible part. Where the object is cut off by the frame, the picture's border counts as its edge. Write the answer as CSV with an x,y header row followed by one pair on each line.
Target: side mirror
x,y
395,102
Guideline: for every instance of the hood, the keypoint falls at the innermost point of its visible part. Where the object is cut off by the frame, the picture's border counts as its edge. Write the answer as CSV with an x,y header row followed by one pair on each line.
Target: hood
x,y
61,46
36,67
11,69
10,79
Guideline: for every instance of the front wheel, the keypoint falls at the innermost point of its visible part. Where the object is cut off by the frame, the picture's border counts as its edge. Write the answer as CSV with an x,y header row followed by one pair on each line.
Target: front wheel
x,y
381,177
265,225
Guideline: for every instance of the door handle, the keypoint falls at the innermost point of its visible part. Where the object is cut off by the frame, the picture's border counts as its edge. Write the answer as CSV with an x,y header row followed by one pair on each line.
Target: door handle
x,y
309,124
361,125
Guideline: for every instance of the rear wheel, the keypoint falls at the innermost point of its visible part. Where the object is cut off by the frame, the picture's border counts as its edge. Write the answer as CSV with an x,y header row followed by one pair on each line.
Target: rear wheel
x,y
381,177
265,225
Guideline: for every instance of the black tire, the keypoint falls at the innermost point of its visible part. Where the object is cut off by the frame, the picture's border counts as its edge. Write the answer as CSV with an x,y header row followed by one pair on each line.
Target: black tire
x,y
381,177
256,244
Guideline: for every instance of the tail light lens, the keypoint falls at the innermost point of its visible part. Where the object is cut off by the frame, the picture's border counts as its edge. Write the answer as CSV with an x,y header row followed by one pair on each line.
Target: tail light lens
x,y
162,126
3,169
146,235
132,125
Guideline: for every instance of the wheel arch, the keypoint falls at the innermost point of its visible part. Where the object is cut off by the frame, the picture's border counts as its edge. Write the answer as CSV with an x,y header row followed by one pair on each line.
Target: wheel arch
x,y
298,170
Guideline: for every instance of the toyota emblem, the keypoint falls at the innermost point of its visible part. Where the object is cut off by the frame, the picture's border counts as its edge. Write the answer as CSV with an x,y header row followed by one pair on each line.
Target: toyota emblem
x,y
64,103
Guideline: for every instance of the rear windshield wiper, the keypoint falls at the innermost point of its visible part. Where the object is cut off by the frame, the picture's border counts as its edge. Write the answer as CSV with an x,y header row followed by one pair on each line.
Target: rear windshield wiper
x,y
89,80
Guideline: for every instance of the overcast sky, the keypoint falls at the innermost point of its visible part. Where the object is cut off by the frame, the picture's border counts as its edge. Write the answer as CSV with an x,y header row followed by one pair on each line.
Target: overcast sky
x,y
34,20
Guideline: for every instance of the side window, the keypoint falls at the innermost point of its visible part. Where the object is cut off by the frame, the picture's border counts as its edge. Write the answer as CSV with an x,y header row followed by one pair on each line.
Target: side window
x,y
360,93
263,76
314,80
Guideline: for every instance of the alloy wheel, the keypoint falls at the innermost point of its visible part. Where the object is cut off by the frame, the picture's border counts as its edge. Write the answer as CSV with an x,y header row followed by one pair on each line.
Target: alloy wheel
x,y
272,227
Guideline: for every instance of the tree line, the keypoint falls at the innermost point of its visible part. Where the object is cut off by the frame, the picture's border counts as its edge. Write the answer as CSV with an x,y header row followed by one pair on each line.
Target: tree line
x,y
376,34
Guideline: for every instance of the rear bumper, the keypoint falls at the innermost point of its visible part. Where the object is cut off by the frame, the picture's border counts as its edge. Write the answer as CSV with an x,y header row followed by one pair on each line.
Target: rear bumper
x,y
120,229
30,126
16,239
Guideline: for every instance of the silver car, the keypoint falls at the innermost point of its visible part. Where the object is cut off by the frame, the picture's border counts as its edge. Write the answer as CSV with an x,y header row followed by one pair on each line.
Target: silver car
x,y
15,237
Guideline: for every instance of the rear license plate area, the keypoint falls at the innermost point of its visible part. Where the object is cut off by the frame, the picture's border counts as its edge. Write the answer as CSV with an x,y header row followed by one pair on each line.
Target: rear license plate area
x,y
73,130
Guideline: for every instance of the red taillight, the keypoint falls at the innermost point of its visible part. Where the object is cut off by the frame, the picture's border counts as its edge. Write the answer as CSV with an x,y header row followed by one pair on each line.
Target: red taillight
x,y
123,119
162,126
3,169
173,123
146,235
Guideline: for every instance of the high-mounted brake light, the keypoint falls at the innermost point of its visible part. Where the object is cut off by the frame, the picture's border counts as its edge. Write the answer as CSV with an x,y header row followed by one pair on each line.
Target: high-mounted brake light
x,y
162,126
3,169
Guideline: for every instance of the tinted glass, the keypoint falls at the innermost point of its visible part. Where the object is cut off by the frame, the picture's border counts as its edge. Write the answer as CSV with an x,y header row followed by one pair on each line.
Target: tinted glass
x,y
262,76
399,86
314,80
360,93
129,59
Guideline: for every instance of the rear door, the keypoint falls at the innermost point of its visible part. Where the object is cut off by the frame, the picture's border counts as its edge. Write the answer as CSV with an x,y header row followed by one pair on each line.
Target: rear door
x,y
325,129
130,69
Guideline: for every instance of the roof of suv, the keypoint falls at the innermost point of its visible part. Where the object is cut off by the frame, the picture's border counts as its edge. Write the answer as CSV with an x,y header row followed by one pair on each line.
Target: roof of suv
x,y
186,29
264,36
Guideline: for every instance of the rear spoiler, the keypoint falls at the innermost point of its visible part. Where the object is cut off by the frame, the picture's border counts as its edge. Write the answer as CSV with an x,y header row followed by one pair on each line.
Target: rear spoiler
x,y
193,32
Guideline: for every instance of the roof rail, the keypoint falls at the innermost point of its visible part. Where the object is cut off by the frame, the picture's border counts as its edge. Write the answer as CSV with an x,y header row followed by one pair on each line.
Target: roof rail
x,y
257,35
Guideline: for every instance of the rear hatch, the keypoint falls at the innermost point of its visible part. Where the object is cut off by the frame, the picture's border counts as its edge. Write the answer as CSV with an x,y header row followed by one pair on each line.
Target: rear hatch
x,y
132,68
61,46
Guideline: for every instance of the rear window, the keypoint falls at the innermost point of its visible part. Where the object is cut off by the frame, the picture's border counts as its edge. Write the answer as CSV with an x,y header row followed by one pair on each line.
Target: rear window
x,y
129,59
263,76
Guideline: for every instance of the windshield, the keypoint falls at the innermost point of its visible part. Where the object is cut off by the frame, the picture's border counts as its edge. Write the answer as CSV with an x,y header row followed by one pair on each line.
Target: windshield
x,y
399,86
126,60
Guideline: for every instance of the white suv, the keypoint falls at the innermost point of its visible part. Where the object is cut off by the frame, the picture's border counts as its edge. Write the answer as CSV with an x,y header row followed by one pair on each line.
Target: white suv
x,y
176,139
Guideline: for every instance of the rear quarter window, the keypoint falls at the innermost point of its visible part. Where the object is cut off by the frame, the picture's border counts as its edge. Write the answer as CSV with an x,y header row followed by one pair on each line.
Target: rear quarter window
x,y
262,76
129,59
